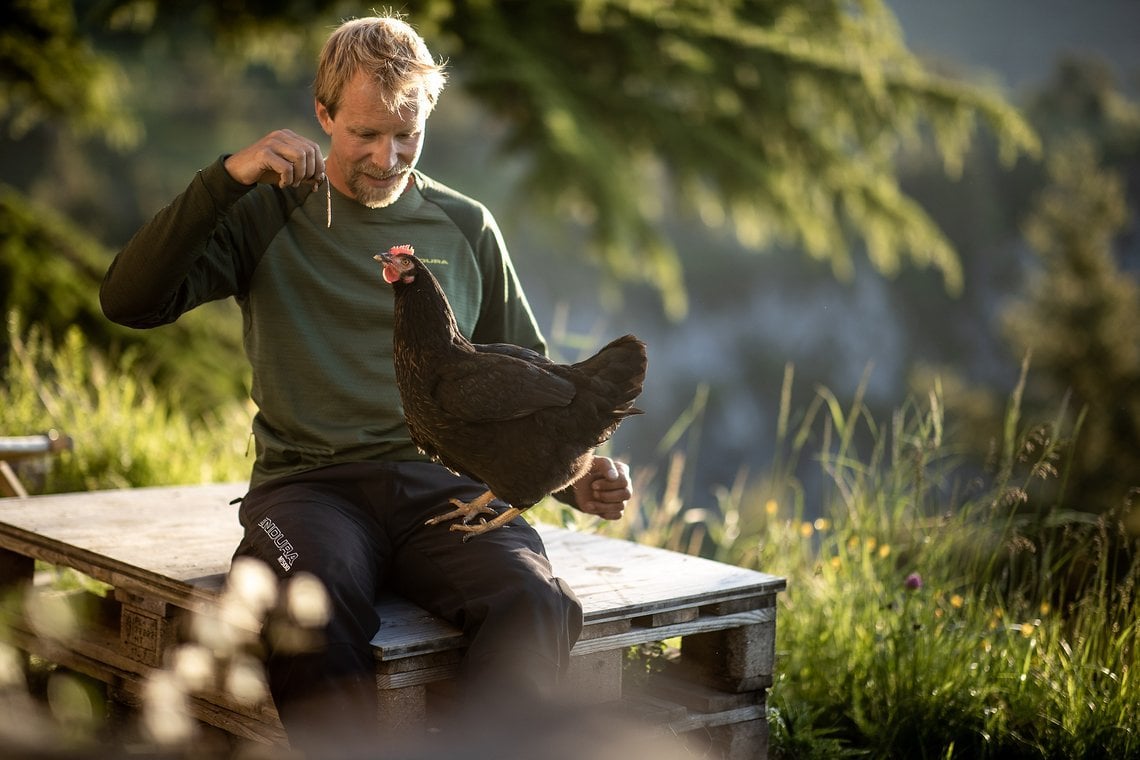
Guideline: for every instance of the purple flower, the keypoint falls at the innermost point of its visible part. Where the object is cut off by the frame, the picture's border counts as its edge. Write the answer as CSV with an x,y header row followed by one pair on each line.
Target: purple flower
x,y
913,582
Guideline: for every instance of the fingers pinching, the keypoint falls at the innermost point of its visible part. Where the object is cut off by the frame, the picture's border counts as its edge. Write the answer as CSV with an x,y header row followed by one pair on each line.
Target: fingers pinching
x,y
281,157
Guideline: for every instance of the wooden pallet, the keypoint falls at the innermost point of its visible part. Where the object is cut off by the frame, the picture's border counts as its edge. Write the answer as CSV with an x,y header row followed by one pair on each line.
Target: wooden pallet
x,y
164,553
24,448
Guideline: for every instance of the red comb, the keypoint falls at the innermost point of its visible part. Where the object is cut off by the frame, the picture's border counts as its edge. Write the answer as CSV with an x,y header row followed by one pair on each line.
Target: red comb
x,y
406,250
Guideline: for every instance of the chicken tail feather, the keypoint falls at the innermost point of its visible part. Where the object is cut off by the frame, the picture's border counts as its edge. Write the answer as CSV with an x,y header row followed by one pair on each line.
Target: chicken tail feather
x,y
618,373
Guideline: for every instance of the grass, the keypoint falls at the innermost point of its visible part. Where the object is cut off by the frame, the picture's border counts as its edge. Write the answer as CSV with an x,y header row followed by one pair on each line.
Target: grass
x,y
126,432
935,608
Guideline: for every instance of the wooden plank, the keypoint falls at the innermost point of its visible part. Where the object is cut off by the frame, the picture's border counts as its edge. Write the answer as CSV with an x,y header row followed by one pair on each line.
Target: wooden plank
x,y
671,685
694,720
142,602
22,446
166,540
618,641
415,632
652,711
215,709
631,595
416,671
160,546
177,541
175,532
10,484
410,664
405,706
617,579
126,687
698,626
628,575
238,724
739,605
658,619
428,674
100,653
95,654
157,541
677,719
607,628
65,656
407,630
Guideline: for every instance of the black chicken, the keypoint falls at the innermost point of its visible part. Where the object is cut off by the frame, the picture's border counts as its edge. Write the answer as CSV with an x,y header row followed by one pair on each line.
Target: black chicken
x,y
502,414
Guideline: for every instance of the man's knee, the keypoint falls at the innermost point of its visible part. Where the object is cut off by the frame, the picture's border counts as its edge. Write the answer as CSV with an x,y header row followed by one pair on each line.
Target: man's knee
x,y
530,609
551,596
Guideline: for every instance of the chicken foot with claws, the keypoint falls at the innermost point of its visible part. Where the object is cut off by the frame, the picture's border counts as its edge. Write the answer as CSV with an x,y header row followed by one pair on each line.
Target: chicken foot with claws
x,y
468,510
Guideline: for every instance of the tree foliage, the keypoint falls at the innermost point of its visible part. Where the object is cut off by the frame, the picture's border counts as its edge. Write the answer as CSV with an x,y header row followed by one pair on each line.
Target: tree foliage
x,y
49,71
58,271
1075,319
1080,322
779,120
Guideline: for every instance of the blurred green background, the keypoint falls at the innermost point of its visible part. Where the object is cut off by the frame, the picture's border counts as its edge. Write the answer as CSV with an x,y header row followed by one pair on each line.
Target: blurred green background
x,y
877,193
884,255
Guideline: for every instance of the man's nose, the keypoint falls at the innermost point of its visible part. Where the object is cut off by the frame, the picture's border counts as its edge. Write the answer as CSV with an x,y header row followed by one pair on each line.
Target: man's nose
x,y
385,155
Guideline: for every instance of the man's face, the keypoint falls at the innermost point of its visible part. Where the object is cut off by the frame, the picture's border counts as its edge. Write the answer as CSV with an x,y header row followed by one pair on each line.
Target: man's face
x,y
373,149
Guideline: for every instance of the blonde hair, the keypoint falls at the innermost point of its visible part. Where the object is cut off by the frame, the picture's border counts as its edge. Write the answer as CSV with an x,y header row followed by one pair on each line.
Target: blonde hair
x,y
389,50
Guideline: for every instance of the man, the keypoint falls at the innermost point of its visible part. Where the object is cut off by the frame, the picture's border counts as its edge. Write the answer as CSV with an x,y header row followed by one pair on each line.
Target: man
x,y
337,481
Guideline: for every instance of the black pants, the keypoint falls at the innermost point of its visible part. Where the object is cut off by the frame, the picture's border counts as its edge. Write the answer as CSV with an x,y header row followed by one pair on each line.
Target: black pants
x,y
359,528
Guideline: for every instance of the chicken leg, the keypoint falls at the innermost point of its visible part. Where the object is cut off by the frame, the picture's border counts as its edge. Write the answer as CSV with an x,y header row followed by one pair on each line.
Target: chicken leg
x,y
468,510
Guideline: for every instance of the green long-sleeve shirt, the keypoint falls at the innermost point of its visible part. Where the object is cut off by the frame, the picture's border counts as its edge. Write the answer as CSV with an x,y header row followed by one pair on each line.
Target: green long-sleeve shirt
x,y
317,313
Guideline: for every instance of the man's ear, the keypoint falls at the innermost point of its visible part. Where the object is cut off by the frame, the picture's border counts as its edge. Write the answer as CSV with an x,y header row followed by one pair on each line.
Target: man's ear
x,y
323,116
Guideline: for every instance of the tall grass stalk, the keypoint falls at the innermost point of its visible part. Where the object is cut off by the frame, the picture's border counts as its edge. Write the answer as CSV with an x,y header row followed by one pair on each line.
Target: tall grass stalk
x,y
125,431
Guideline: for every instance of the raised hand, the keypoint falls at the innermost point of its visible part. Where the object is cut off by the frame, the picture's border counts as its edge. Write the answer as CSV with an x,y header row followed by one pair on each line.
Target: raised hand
x,y
281,158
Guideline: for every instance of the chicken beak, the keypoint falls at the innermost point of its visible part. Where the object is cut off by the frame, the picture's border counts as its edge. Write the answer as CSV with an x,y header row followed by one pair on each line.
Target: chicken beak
x,y
391,271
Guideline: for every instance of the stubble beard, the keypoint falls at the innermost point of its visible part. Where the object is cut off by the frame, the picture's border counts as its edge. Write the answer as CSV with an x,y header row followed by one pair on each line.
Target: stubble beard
x,y
374,197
